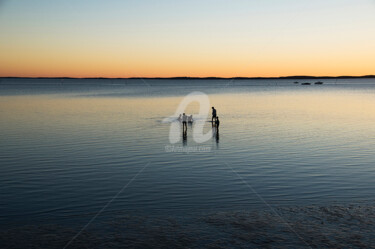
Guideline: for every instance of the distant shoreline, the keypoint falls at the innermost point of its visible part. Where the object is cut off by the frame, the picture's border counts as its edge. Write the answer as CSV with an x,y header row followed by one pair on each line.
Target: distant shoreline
x,y
206,78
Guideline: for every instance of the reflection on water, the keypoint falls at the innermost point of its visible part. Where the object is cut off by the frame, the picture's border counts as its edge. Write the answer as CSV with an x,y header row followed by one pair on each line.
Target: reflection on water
x,y
215,133
66,150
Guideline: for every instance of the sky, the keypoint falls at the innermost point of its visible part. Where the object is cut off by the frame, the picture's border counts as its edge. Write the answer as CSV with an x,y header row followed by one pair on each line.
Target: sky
x,y
169,38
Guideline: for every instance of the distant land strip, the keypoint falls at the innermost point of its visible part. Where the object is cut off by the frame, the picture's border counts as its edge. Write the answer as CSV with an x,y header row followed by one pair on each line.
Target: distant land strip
x,y
204,78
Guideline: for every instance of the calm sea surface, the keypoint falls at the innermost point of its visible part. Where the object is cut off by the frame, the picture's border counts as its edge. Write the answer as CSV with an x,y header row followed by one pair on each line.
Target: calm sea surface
x,y
69,147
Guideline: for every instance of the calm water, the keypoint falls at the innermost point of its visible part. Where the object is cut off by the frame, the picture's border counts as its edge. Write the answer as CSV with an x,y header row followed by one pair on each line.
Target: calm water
x,y
67,147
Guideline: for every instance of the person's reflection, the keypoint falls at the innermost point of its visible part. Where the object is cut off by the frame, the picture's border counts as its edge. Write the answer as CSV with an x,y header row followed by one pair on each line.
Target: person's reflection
x,y
184,137
217,135
215,129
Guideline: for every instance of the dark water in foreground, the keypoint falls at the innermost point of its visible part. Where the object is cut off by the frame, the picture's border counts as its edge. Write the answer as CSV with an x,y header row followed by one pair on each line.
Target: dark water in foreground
x,y
292,165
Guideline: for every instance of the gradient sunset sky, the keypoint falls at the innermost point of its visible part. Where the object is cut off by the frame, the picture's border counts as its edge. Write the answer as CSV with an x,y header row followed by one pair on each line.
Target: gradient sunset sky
x,y
167,38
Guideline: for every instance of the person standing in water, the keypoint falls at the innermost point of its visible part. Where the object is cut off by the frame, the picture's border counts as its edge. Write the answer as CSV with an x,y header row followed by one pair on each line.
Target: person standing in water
x,y
184,125
190,119
217,123
213,115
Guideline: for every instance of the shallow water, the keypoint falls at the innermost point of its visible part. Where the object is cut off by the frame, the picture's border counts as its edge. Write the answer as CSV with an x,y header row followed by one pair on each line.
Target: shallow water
x,y
68,147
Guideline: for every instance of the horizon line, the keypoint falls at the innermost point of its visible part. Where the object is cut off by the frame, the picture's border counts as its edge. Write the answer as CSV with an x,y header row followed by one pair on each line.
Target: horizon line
x,y
188,77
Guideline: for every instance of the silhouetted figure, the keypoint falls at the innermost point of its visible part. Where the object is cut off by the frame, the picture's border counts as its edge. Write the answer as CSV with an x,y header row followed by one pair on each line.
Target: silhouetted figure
x,y
190,119
179,118
184,123
213,114
217,123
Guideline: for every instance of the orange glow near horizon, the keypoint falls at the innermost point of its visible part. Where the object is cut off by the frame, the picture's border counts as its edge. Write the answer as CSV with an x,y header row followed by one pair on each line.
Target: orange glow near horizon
x,y
238,40
113,65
